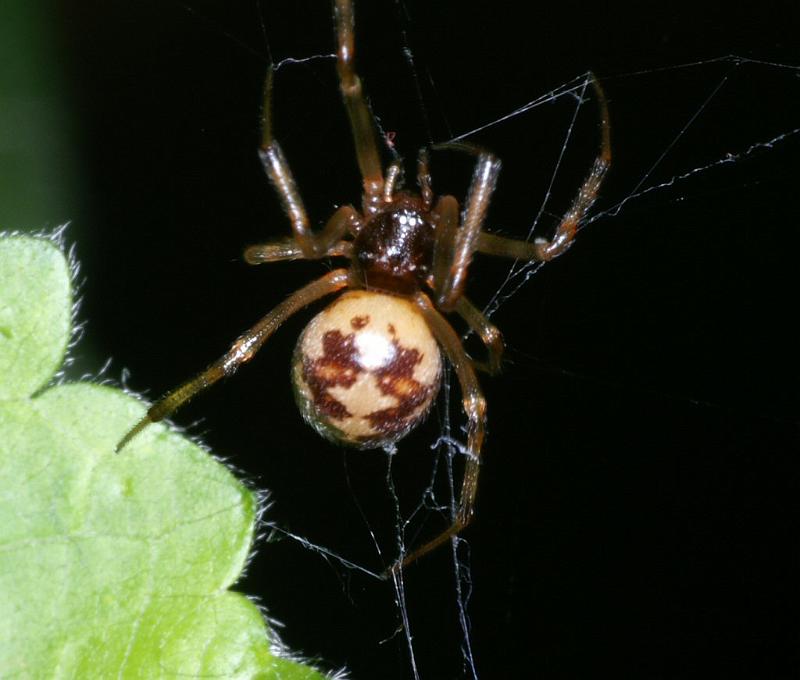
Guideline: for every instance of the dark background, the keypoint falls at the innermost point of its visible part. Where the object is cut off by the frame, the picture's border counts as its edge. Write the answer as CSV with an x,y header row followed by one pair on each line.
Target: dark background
x,y
637,514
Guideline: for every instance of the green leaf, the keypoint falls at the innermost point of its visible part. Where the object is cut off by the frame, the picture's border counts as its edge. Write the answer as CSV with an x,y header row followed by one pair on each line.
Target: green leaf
x,y
35,309
111,565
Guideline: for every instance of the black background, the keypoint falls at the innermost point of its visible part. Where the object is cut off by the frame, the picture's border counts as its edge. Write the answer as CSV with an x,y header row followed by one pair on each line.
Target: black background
x,y
637,514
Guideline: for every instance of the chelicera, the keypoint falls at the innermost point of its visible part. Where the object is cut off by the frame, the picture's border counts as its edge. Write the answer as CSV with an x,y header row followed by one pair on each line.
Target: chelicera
x,y
367,368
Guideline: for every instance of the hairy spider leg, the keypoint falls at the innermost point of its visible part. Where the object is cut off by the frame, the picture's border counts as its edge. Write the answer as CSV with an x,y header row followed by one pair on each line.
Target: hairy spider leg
x,y
242,350
543,249
311,245
361,120
454,247
447,214
474,406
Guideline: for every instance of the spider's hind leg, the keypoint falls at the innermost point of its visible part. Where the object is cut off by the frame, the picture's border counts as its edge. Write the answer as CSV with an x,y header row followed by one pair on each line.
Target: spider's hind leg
x,y
475,408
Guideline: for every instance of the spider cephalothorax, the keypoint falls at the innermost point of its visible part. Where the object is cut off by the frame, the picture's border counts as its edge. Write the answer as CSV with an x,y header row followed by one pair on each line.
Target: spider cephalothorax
x,y
394,250
366,369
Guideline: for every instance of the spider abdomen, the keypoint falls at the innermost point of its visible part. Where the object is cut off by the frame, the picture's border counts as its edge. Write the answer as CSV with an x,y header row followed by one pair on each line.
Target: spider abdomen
x,y
394,250
366,369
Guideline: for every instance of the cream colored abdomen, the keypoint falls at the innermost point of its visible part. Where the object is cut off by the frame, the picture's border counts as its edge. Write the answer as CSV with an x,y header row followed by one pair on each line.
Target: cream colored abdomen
x,y
366,369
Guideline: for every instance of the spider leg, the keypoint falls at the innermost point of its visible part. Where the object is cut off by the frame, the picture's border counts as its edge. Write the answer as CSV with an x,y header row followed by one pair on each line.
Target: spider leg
x,y
475,408
242,350
446,215
361,121
544,249
453,248
488,332
587,194
290,249
310,245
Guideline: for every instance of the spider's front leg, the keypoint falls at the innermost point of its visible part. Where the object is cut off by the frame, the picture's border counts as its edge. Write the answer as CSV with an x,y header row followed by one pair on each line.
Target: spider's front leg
x,y
361,121
567,228
307,244
547,249
475,408
242,350
454,246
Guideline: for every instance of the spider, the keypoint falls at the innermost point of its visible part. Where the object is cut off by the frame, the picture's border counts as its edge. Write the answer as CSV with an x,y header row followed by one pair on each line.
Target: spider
x,y
366,369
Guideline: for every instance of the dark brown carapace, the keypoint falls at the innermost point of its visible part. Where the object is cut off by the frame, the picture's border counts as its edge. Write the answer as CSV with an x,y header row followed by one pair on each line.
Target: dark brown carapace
x,y
393,252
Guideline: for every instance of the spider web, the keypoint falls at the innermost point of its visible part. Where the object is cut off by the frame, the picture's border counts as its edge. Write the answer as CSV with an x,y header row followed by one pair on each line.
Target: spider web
x,y
661,176
575,96
669,170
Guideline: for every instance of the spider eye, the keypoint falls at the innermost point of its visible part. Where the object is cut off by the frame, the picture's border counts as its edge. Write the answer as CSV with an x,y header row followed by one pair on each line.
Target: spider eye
x,y
366,369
